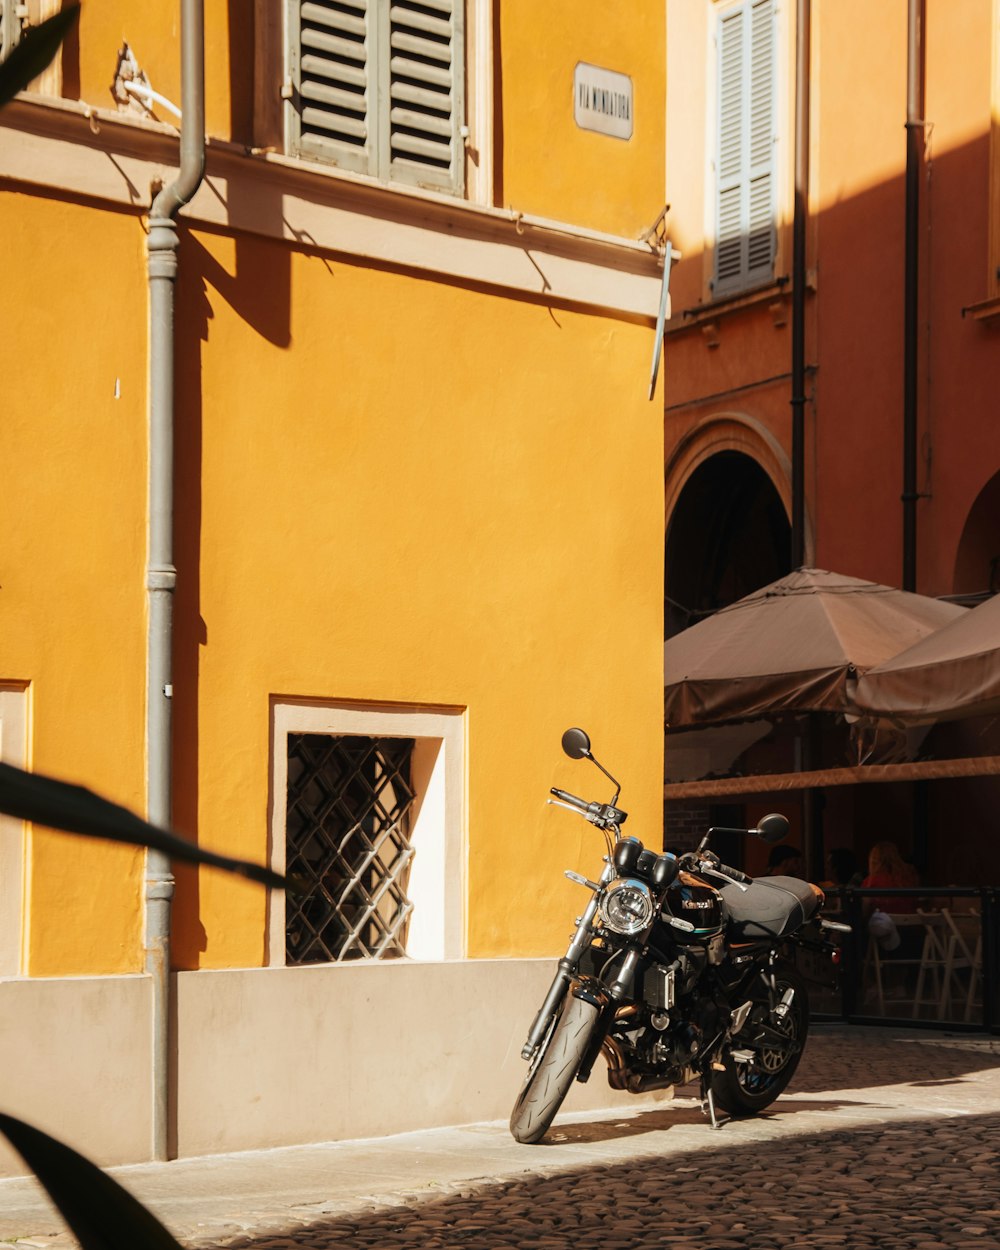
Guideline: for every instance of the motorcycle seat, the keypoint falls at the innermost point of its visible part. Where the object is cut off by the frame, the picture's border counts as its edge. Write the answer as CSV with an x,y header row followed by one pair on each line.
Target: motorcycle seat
x,y
769,907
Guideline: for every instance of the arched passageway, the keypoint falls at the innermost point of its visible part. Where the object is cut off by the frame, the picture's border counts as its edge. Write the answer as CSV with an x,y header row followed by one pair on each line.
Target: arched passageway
x,y
977,564
727,535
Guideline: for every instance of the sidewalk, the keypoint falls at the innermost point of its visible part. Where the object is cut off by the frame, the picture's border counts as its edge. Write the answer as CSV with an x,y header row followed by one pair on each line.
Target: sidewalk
x,y
851,1081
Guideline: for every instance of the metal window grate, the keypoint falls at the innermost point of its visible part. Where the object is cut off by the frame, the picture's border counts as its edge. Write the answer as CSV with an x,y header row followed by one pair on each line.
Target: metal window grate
x,y
348,841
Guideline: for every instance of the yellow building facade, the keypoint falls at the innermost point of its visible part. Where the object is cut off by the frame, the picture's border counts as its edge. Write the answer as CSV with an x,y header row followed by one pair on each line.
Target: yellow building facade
x,y
417,498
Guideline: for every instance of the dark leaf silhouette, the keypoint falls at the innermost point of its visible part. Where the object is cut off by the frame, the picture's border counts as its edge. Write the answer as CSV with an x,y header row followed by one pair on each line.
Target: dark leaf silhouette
x,y
101,1214
34,51
74,809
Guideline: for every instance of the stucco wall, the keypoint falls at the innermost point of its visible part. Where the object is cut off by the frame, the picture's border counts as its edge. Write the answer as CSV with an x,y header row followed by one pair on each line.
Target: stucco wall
x,y
74,1062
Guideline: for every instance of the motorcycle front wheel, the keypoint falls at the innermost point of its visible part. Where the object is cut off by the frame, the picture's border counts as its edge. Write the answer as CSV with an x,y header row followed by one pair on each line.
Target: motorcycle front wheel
x,y
552,1071
744,1088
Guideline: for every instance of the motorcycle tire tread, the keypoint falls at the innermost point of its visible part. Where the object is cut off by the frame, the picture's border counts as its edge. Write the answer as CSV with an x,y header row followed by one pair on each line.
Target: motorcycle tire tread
x,y
552,1073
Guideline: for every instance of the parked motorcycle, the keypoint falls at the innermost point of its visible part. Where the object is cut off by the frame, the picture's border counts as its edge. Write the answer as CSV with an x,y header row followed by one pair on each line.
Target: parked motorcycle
x,y
678,972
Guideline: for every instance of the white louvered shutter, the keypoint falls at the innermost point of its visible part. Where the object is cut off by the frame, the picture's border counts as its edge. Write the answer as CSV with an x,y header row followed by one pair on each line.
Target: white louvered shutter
x,y
10,26
744,252
378,87
331,115
423,82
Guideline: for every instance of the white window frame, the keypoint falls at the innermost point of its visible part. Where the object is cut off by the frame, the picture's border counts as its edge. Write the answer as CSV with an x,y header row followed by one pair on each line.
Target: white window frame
x,y
374,156
744,278
437,928
13,836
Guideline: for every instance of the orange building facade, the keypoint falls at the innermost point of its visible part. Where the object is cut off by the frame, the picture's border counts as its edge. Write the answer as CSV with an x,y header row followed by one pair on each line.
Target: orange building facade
x,y
414,533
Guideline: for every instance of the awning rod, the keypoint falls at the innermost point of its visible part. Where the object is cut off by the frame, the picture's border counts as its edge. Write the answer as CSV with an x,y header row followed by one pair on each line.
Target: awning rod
x,y
764,783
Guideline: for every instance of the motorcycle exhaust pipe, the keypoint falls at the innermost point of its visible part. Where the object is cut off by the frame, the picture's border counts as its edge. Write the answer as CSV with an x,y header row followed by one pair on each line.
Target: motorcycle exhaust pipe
x,y
643,1084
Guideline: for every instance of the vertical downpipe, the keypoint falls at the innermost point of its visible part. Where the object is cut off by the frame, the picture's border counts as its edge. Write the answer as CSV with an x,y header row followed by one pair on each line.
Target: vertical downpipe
x,y
799,220
914,146
161,575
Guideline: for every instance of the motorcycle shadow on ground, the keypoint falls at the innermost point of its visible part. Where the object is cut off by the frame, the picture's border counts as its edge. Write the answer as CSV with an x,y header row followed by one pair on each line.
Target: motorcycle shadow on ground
x,y
674,1117
862,1064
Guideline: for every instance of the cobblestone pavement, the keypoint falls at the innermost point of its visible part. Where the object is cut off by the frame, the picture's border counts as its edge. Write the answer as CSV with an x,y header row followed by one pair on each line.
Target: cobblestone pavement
x,y
884,1140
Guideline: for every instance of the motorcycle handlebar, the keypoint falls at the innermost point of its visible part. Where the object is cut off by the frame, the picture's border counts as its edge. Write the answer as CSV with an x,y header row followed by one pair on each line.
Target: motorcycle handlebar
x,y
733,874
581,804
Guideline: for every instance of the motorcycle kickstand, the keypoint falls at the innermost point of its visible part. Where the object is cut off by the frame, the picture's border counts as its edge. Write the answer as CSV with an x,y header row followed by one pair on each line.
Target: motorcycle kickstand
x,y
708,1104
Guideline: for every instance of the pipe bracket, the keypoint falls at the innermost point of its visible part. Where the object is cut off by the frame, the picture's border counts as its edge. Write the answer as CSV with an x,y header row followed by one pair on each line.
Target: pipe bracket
x,y
161,577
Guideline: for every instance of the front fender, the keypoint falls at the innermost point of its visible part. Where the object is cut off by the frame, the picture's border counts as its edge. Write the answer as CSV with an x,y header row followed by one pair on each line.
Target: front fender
x,y
594,992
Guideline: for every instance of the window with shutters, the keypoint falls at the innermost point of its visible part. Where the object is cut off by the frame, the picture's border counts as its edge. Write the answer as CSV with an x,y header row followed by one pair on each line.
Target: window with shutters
x,y
745,142
10,24
377,87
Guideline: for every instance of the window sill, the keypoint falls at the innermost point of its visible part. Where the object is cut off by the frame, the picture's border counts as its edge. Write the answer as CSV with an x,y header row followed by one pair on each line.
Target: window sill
x,y
65,146
986,311
700,314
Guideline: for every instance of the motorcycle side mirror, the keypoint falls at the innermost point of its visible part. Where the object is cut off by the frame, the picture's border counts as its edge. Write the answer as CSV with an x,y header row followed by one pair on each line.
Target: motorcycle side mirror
x,y
576,744
773,828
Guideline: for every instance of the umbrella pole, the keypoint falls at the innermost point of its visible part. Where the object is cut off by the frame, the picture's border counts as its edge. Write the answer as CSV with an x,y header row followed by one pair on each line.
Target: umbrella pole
x,y
808,753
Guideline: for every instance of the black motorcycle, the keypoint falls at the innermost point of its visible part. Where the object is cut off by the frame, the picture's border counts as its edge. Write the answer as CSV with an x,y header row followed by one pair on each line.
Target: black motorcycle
x,y
678,971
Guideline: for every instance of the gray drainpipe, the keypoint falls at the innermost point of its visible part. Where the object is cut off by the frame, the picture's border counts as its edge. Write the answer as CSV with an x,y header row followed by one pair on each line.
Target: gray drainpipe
x,y
914,153
800,221
161,575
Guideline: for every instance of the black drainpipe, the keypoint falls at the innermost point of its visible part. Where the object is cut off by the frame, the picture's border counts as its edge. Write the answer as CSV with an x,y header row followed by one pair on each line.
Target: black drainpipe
x,y
801,211
914,153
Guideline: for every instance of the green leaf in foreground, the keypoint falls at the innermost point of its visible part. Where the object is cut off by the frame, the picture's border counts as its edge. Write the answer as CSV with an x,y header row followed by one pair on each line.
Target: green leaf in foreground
x,y
34,52
101,1214
74,809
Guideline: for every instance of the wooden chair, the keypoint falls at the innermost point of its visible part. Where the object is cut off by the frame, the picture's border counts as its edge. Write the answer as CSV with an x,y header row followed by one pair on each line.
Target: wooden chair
x,y
963,955
881,969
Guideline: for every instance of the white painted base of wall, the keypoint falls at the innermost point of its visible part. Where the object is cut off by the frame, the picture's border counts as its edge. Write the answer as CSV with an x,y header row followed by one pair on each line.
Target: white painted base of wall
x,y
276,1056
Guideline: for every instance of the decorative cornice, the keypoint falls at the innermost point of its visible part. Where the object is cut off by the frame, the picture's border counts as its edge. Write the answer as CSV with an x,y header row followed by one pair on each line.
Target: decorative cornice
x,y
115,159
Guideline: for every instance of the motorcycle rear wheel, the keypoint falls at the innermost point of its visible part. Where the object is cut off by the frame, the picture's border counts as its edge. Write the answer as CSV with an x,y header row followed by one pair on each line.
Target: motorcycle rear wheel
x,y
552,1071
744,1089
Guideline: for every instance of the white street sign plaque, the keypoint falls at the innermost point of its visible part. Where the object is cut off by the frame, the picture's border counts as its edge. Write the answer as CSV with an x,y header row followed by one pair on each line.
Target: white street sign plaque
x,y
602,101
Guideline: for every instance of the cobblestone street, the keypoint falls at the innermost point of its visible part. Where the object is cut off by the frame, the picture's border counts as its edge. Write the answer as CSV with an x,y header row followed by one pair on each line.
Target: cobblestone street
x,y
886,1139
926,1184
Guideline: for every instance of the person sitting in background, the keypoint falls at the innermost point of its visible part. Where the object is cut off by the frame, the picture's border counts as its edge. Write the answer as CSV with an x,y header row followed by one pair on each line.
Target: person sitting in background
x,y
785,861
887,870
842,873
843,870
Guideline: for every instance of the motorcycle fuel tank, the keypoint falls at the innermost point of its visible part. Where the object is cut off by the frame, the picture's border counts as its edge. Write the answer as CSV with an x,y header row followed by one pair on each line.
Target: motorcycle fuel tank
x,y
692,900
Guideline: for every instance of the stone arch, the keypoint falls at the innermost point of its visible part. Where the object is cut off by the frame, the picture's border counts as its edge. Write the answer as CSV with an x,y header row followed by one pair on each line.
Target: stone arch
x,y
977,561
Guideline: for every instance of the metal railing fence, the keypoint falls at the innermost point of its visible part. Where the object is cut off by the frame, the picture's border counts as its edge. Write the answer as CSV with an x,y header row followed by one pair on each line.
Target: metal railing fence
x,y
936,966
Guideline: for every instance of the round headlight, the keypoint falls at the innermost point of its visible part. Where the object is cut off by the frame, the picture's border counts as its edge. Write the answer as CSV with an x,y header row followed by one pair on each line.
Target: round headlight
x,y
627,906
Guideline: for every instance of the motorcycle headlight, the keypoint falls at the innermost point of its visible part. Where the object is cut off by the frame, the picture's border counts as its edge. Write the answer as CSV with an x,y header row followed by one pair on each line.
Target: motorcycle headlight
x,y
627,906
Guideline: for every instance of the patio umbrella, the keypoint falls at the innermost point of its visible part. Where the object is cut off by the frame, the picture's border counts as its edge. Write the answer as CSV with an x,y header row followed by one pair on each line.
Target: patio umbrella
x,y
954,672
791,647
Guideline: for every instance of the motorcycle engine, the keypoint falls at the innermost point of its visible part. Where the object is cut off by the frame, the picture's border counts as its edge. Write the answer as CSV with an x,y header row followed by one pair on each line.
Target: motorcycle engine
x,y
673,1039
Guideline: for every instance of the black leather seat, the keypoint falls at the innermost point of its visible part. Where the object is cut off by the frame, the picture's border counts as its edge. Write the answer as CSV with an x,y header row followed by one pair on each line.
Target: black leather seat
x,y
769,907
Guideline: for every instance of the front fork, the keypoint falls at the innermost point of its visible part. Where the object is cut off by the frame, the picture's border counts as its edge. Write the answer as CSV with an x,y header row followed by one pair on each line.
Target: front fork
x,y
565,971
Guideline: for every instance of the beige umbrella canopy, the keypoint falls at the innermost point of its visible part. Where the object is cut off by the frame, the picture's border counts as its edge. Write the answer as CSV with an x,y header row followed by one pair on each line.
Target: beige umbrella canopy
x,y
954,672
791,647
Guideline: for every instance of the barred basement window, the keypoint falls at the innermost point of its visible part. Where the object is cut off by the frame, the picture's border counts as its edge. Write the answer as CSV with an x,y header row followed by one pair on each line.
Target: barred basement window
x,y
348,840
378,87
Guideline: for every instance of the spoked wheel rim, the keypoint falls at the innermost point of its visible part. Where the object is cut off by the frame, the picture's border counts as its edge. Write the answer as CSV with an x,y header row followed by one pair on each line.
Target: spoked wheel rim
x,y
769,1063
